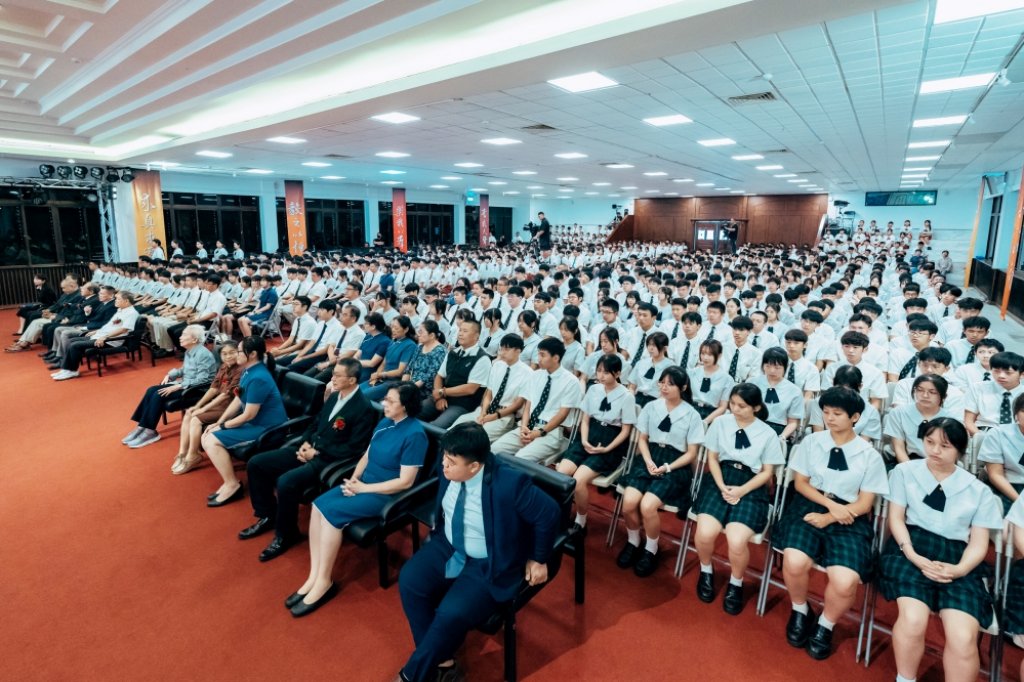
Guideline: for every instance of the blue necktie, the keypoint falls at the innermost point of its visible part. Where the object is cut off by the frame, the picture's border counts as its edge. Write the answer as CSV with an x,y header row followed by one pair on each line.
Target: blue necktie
x,y
458,560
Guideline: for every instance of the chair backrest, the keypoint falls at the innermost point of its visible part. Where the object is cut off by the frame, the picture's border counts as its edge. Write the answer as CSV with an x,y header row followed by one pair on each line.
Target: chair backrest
x,y
560,487
432,462
302,395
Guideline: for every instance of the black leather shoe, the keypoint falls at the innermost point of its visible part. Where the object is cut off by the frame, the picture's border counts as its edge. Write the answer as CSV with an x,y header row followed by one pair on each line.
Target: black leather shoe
x,y
798,630
628,556
211,496
276,548
820,644
646,564
303,609
237,495
261,526
449,673
578,530
293,599
55,365
706,587
733,601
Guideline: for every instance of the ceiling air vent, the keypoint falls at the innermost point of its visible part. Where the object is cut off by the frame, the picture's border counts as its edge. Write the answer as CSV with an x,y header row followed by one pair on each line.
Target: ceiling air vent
x,y
539,128
767,96
337,156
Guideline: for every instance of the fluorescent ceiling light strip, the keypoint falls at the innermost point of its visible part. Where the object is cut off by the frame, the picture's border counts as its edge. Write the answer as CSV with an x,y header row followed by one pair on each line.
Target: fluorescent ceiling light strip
x,y
583,82
283,139
395,117
316,164
939,121
501,141
929,144
958,10
747,157
978,80
392,155
670,120
717,142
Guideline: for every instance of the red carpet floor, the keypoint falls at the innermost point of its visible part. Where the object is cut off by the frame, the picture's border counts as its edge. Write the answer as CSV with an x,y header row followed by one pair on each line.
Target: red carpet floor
x,y
112,568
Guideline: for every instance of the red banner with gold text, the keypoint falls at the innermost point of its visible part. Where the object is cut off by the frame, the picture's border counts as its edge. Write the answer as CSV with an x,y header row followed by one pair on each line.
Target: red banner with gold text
x,y
295,212
399,220
149,212
485,220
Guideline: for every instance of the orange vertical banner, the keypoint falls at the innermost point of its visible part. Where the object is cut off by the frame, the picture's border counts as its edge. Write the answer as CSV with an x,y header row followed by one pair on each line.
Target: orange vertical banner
x,y
1011,265
149,211
295,213
974,234
399,220
485,220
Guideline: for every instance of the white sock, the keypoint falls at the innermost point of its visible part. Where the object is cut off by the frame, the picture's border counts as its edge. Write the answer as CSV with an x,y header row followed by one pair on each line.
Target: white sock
x,y
736,581
825,622
652,545
706,568
633,537
800,608
581,519
900,678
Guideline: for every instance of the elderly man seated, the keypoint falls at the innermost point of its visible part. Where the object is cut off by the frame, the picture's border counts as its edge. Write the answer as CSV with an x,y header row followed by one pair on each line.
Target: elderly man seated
x,y
112,334
60,310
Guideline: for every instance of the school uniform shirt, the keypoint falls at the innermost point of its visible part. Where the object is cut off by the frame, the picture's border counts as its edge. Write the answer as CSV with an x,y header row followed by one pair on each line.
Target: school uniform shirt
x,y
949,330
677,350
518,377
1005,445
985,400
327,333
317,291
491,341
959,349
765,447
510,318
1016,513
565,392
790,404
620,404
818,349
124,318
874,380
719,385
869,425
575,354
635,343
481,369
940,313
969,502
548,326
685,429
748,363
589,366
303,329
903,422
529,354
898,359
646,375
594,336
722,331
954,403
865,470
764,340
966,375
806,376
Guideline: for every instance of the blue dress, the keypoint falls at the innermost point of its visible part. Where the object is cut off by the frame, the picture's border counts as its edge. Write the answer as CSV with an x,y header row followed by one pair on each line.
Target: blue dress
x,y
399,352
392,447
269,297
256,387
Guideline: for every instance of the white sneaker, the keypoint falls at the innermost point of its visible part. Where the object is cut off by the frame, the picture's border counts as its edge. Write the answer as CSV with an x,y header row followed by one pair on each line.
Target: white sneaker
x,y
144,440
136,432
59,375
67,375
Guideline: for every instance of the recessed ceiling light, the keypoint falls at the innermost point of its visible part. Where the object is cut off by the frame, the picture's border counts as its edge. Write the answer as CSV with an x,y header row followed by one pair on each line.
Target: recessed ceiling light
x,y
563,196
747,157
651,191
316,164
722,189
538,195
451,177
286,140
567,178
682,180
655,174
798,180
583,82
392,155
591,194
617,166
670,120
717,142
566,189
920,168
956,10
978,80
439,187
163,164
332,177
736,191
497,182
213,155
393,172
512,191
535,187
469,164
259,171
628,187
705,184
395,117
907,176
940,121
391,182
773,166
614,195
602,184
477,189
671,194
524,172
928,145
785,175
501,141
923,158
571,155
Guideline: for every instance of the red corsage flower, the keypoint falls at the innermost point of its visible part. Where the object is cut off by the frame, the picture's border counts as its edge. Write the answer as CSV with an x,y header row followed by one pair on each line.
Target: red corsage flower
x,y
339,424
237,391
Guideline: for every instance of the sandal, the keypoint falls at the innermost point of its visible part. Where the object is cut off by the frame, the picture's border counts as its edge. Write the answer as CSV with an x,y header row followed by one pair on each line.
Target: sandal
x,y
16,348
179,460
187,465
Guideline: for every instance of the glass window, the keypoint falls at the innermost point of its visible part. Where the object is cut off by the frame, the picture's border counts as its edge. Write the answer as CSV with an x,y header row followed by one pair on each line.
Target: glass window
x,y
42,238
207,200
993,227
12,241
252,238
184,199
74,234
208,232
185,229
231,228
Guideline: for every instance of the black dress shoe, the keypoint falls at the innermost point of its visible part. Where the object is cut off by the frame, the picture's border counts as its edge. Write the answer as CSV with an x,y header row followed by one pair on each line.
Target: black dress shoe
x,y
55,365
237,495
798,630
276,548
628,556
211,496
820,644
449,673
706,587
261,526
646,564
577,529
293,599
303,609
733,601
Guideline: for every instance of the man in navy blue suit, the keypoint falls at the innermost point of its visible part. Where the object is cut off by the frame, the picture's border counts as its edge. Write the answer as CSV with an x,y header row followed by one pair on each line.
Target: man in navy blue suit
x,y
494,529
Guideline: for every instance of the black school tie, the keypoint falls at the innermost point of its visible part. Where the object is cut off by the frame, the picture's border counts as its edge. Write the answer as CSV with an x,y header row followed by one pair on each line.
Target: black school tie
x,y
970,355
541,404
909,368
987,376
711,334
936,499
605,406
666,424
496,400
945,311
508,318
922,429
649,374
316,346
675,332
791,375
639,350
705,385
771,396
742,442
837,460
1004,409
488,341
734,365
686,356
756,339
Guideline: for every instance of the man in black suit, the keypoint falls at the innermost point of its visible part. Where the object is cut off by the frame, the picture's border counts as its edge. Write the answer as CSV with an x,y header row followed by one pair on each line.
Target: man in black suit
x,y
494,529
340,433
96,315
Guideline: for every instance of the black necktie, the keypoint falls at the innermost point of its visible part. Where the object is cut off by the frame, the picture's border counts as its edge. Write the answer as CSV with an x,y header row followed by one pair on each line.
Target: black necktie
x,y
605,406
316,346
541,404
756,339
936,499
987,376
496,400
837,460
639,350
705,385
945,311
791,375
909,368
734,365
298,327
649,374
488,341
742,442
970,355
675,332
686,356
504,325
1004,409
771,396
711,334
666,424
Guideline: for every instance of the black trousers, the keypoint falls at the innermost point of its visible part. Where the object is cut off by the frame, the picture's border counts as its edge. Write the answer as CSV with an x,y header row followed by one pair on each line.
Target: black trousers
x,y
175,331
147,413
29,312
74,351
441,611
281,470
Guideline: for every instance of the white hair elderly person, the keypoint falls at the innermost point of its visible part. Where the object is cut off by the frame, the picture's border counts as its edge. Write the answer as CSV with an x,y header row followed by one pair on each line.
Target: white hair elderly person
x,y
187,382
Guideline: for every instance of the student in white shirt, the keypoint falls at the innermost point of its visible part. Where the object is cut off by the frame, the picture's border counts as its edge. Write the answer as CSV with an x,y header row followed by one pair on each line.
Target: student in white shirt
x,y
980,370
990,403
868,427
685,348
854,344
710,382
569,332
963,350
785,402
933,360
492,333
905,425
528,330
741,360
1002,451
801,372
609,312
760,337
904,363
503,393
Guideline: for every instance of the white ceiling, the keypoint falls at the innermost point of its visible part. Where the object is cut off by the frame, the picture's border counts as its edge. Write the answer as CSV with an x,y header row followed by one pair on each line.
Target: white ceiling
x,y
140,81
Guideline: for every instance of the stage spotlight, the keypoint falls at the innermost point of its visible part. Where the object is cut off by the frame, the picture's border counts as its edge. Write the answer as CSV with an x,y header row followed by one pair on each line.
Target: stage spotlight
x,y
46,171
112,175
92,197
63,172
96,172
81,172
127,175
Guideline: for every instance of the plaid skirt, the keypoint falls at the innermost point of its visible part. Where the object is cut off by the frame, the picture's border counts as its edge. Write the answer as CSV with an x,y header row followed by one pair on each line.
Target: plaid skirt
x,y
1007,502
672,489
751,510
833,545
599,434
900,578
1014,615
704,410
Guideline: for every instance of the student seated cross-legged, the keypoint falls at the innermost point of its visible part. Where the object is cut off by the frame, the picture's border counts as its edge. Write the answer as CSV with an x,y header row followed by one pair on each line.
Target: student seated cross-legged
x,y
828,519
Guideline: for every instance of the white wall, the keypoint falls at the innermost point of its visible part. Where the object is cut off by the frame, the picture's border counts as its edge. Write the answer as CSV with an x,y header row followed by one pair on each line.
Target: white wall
x,y
954,210
583,210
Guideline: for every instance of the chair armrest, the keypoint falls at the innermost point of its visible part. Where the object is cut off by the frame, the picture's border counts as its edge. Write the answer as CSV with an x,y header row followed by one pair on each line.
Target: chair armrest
x,y
277,435
401,503
332,472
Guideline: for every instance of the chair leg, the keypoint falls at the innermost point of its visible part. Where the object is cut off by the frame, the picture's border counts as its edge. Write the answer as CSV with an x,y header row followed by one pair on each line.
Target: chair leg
x,y
613,524
766,578
871,628
414,526
580,566
382,563
863,623
164,415
510,645
684,543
